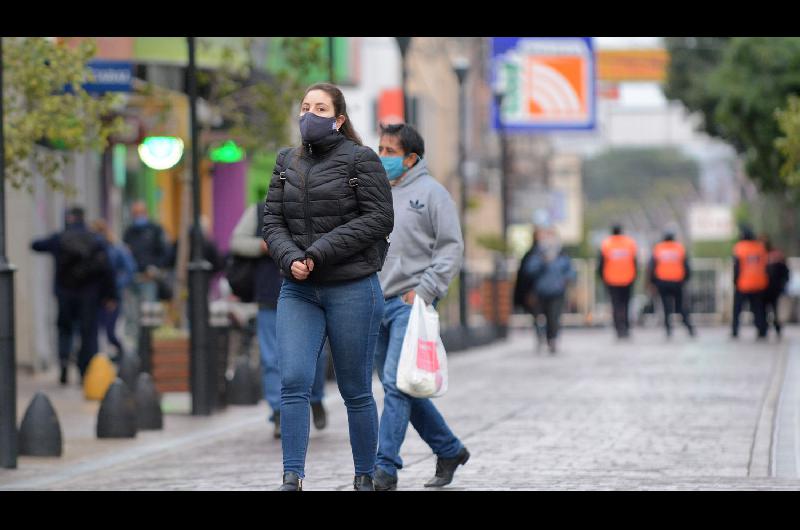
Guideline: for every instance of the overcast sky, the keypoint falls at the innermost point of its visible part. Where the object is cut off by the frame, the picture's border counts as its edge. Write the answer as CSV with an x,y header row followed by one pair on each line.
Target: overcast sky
x,y
628,42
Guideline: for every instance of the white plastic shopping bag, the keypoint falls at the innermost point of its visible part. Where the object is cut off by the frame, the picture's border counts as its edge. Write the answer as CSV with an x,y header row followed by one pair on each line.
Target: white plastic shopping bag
x,y
422,368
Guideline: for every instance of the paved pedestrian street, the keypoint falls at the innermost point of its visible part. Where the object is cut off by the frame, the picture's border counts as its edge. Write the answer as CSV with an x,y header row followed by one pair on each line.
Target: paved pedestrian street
x,y
645,414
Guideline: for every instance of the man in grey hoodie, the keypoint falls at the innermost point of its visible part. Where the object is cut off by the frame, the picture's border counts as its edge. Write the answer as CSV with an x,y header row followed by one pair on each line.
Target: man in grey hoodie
x,y
424,256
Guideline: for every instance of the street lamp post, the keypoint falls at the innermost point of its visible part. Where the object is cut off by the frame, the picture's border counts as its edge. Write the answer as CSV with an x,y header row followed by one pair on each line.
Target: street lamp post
x,y
498,98
461,68
331,56
404,43
500,262
8,364
198,270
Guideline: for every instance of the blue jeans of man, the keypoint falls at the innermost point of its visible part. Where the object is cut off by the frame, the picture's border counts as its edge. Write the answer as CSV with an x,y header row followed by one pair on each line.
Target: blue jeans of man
x,y
400,408
349,313
267,326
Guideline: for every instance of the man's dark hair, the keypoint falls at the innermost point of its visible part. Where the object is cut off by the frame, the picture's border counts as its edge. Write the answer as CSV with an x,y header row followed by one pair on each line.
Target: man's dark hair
x,y
669,235
410,139
616,229
75,213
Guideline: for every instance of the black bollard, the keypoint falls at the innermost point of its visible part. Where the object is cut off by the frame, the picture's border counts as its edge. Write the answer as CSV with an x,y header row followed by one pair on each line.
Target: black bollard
x,y
241,387
129,368
40,431
148,404
117,415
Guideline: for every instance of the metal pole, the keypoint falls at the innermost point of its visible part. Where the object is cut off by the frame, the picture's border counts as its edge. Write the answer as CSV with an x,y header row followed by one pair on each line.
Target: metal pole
x,y
500,268
504,170
403,43
331,56
198,270
8,363
461,73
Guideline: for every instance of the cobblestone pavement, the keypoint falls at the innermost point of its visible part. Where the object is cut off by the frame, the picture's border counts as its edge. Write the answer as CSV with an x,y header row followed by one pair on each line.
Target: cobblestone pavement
x,y
644,414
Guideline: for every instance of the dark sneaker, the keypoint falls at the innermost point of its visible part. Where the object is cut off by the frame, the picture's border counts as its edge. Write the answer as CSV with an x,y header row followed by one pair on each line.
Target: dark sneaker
x,y
446,468
363,483
319,415
384,481
277,419
291,482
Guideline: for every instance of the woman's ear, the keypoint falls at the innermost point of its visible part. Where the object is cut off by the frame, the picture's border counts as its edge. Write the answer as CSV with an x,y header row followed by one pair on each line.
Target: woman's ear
x,y
340,121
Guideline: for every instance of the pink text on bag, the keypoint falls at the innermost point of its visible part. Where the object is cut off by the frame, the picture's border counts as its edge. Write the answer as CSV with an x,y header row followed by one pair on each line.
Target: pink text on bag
x,y
426,356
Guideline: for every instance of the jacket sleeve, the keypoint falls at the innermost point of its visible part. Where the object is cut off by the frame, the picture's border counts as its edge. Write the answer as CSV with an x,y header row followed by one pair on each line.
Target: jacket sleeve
x,y
375,222
448,249
735,271
243,242
46,244
276,233
523,284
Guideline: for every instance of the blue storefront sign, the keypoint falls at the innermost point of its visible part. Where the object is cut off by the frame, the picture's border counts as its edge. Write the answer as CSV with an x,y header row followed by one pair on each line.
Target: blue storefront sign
x,y
110,76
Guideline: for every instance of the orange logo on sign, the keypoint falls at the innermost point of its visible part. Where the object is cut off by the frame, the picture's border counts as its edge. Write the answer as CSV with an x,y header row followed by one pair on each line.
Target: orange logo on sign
x,y
556,87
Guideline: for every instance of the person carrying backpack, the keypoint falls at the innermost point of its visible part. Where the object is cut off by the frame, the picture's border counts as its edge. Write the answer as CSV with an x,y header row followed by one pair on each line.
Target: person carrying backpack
x,y
551,271
84,280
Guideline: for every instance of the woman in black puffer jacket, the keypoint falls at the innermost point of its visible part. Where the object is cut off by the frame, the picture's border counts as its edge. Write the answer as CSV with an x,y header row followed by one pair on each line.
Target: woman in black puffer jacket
x,y
327,220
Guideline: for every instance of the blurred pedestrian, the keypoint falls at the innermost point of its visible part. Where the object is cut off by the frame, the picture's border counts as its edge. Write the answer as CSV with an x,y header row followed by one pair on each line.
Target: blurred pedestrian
x,y
327,221
425,255
147,243
266,279
551,271
124,267
84,280
523,288
669,271
778,279
750,280
617,266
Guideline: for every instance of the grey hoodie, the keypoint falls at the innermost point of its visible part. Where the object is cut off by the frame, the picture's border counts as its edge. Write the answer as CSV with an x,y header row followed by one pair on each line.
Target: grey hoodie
x,y
426,250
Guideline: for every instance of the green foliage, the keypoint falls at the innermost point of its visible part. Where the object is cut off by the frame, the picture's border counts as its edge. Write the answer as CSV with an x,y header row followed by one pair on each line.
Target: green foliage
x,y
789,143
691,61
38,112
257,105
738,88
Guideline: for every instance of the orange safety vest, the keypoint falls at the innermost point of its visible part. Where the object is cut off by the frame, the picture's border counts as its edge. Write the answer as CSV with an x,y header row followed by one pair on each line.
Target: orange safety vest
x,y
619,253
669,257
752,258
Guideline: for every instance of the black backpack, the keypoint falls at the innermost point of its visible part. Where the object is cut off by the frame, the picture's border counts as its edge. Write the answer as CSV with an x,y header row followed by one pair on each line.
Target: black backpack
x,y
82,258
240,271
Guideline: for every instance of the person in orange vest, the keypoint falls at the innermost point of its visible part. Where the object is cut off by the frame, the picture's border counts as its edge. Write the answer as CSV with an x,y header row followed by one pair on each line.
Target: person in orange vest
x,y
778,274
750,280
617,267
669,271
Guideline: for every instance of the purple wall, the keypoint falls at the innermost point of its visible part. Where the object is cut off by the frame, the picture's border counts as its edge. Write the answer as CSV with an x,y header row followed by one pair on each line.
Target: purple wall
x,y
230,181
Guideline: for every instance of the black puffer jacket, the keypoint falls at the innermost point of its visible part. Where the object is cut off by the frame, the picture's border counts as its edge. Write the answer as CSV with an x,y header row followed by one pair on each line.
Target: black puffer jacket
x,y
314,212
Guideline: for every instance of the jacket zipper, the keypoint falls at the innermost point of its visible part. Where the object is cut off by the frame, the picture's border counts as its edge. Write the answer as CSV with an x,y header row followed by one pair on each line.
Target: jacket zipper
x,y
307,206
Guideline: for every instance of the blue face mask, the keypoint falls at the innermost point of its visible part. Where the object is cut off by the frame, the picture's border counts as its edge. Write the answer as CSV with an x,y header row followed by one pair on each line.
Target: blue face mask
x,y
393,166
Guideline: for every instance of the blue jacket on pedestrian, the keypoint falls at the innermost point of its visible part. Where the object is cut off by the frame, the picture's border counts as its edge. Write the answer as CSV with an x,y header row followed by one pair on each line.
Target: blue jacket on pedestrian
x,y
550,278
123,264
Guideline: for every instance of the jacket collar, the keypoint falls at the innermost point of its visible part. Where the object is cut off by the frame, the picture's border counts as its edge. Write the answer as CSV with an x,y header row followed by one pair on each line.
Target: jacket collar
x,y
325,145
